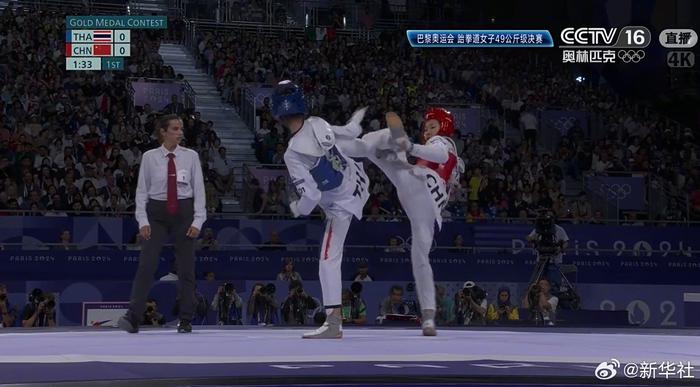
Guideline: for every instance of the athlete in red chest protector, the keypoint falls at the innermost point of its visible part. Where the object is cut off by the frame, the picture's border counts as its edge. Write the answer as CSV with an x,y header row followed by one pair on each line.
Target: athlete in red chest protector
x,y
422,187
439,122
443,170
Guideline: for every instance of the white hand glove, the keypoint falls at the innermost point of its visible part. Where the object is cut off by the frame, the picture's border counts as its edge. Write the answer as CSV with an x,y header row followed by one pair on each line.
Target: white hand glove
x,y
293,207
403,144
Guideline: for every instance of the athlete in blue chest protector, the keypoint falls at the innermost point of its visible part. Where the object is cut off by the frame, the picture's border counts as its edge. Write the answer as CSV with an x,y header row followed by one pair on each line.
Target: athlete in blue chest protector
x,y
323,176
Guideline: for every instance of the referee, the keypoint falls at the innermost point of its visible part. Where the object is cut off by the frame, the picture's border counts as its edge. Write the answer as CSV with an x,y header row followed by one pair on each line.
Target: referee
x,y
170,201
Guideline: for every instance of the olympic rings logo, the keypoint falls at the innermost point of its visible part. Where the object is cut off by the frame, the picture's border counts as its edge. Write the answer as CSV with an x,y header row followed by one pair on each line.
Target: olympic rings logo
x,y
628,56
619,191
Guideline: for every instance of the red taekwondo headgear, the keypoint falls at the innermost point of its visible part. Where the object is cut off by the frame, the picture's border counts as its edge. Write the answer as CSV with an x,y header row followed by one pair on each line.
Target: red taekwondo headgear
x,y
444,117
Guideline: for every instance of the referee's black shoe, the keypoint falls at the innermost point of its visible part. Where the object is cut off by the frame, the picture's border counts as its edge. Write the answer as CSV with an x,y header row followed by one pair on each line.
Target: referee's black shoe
x,y
128,323
184,326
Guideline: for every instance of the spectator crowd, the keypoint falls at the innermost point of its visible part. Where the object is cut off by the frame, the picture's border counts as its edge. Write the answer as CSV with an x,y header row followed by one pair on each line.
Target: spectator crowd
x,y
506,177
71,141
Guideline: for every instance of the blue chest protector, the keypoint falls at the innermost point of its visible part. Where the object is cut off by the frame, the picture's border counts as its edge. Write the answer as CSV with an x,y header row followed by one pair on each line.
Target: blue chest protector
x,y
328,171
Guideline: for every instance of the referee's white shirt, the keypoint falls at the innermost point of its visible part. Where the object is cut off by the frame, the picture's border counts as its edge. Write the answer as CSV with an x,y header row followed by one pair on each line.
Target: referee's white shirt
x,y
153,182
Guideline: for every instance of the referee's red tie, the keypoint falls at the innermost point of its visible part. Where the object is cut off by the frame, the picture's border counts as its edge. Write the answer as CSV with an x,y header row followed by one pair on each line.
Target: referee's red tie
x,y
172,185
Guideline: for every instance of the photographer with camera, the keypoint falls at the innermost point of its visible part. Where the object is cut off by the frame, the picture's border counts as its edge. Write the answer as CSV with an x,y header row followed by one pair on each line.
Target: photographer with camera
x,y
394,303
550,242
152,316
354,309
262,306
470,305
296,306
40,311
503,310
542,304
7,310
228,305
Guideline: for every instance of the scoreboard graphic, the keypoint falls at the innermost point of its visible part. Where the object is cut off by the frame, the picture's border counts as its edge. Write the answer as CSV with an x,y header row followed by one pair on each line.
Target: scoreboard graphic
x,y
101,48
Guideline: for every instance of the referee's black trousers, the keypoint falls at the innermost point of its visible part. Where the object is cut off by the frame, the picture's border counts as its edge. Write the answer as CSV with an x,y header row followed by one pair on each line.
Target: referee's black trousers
x,y
163,225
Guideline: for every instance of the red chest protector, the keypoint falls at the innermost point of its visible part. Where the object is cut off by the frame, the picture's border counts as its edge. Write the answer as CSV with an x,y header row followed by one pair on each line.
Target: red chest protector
x,y
443,170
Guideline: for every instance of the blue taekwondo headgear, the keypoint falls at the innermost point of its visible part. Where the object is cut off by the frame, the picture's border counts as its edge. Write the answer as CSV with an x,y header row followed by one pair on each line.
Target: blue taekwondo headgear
x,y
288,100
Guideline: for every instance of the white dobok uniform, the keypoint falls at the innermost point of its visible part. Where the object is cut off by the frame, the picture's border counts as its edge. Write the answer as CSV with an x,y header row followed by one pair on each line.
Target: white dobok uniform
x,y
323,175
423,190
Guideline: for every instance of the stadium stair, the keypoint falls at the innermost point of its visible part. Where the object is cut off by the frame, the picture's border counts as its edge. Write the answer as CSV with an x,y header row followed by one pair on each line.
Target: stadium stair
x,y
234,134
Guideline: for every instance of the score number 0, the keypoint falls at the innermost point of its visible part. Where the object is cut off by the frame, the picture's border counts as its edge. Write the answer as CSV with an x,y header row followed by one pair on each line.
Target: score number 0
x,y
123,49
